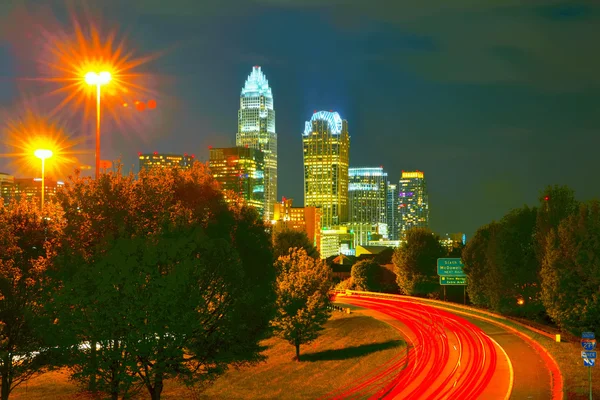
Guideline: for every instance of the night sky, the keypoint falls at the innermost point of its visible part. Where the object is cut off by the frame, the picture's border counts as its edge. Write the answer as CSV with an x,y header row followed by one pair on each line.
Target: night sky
x,y
493,100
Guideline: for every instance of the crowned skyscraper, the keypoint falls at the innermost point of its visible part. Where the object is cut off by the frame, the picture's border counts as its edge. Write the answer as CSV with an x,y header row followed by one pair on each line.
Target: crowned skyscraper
x,y
256,130
326,155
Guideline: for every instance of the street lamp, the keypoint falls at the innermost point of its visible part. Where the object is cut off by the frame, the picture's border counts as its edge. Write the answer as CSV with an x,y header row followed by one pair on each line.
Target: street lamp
x,y
97,79
42,154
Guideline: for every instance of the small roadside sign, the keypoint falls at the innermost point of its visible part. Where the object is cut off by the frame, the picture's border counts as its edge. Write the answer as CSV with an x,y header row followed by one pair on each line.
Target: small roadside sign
x,y
588,344
588,335
450,267
589,362
588,354
453,280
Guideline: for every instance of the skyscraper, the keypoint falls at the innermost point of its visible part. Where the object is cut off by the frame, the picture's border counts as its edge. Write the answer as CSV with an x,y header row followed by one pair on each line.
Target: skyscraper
x,y
256,130
241,170
326,144
413,202
392,210
367,195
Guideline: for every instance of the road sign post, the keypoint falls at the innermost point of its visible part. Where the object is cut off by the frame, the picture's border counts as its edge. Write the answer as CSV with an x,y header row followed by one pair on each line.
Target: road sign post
x,y
450,271
588,342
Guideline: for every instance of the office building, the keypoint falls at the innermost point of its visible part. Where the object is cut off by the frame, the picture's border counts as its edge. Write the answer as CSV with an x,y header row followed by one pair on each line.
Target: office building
x,y
413,202
256,130
240,170
326,144
7,183
453,240
31,188
304,219
163,160
392,211
367,191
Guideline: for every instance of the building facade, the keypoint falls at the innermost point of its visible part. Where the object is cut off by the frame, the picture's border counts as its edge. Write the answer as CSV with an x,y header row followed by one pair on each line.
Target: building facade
x,y
326,145
392,210
367,191
304,219
164,160
7,183
240,170
413,202
31,188
256,130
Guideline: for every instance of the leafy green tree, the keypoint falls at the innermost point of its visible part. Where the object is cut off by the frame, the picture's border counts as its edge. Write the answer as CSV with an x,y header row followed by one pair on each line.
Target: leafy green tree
x,y
366,275
415,262
571,271
286,240
172,281
556,204
302,290
28,241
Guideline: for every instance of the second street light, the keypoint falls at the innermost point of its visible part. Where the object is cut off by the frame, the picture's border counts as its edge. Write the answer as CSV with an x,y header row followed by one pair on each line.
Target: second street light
x,y
42,154
97,79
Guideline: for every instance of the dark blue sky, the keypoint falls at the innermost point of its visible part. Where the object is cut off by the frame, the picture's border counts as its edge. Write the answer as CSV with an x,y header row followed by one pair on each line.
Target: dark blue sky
x,y
493,100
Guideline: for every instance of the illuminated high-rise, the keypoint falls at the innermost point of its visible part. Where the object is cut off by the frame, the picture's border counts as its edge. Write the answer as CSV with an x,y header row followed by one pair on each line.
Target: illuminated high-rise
x,y
256,130
413,202
392,211
240,170
367,189
326,144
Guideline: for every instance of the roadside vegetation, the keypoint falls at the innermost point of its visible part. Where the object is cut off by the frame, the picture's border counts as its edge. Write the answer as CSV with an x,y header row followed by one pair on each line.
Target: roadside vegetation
x,y
350,346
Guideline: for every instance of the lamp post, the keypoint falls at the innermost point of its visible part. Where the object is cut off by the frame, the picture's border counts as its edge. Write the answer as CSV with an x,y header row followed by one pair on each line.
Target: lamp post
x,y
97,79
42,154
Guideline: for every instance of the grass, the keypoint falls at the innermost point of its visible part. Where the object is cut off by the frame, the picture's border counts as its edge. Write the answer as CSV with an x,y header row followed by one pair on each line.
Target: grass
x,y
566,354
352,345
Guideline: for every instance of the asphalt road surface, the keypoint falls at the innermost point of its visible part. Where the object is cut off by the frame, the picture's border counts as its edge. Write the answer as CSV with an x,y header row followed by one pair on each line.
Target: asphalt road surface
x,y
448,357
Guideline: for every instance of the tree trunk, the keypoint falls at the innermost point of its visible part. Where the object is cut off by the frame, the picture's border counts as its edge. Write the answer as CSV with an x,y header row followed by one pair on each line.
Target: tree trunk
x,y
158,387
297,351
6,381
92,384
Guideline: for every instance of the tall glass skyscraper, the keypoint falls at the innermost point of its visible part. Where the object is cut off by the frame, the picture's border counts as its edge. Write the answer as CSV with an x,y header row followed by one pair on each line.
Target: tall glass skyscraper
x,y
256,130
413,202
367,189
392,210
326,145
240,170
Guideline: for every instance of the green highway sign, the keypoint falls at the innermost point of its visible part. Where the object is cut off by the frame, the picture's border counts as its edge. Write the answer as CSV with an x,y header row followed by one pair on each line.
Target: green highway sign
x,y
450,267
453,280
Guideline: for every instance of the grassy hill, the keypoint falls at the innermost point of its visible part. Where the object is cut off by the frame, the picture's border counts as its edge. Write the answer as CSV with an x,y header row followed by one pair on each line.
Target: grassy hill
x,y
351,346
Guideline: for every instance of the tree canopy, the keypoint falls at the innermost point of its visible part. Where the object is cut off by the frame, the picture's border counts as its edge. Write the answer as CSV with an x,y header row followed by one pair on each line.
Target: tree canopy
x,y
571,271
416,260
286,240
28,241
164,276
302,287
366,275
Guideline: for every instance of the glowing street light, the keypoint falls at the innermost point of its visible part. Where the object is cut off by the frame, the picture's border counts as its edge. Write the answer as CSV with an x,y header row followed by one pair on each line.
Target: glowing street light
x,y
98,79
42,154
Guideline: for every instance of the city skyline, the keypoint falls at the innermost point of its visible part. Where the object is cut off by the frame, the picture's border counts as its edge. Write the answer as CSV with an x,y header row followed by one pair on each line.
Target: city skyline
x,y
496,129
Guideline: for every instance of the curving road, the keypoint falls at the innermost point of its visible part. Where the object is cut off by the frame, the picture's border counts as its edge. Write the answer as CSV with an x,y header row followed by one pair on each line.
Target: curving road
x,y
447,357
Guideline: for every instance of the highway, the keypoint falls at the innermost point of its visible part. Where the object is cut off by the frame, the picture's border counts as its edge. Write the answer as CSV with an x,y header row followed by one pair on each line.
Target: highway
x,y
447,357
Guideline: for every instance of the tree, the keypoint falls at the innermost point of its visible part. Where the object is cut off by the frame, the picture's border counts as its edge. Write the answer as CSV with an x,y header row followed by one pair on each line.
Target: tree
x,y
286,240
571,271
556,204
366,275
175,282
28,240
302,290
415,262
501,266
